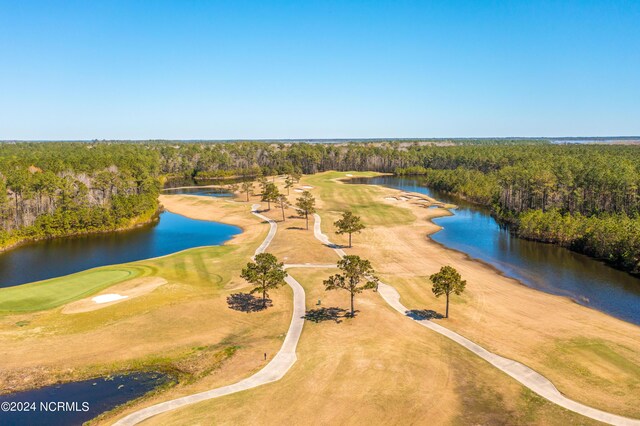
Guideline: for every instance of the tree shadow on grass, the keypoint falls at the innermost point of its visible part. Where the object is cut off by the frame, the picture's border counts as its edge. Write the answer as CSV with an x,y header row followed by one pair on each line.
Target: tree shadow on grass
x,y
298,228
423,314
336,246
245,302
326,314
355,314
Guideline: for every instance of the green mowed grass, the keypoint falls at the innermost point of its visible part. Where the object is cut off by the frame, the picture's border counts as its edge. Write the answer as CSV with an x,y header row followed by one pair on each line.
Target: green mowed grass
x,y
363,200
59,291
195,266
205,268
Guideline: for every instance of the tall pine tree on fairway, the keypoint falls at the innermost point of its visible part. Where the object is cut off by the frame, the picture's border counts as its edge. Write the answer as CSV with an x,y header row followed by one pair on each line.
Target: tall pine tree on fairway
x,y
354,271
270,194
349,224
265,273
288,183
247,187
283,203
306,205
445,282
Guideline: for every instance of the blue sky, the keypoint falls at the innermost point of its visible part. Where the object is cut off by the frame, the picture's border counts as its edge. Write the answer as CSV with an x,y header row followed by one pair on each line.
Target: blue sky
x,y
327,69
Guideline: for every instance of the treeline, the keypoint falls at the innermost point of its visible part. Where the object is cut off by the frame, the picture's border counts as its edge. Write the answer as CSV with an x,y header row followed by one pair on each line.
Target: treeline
x,y
58,189
614,237
586,198
54,189
214,160
472,185
49,189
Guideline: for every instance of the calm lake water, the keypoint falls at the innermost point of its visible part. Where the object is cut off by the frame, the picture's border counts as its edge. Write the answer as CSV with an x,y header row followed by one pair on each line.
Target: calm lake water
x,y
87,399
63,256
198,190
545,267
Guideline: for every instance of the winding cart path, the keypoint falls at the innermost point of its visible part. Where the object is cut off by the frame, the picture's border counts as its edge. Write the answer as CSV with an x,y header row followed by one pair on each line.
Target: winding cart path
x,y
523,374
286,356
272,372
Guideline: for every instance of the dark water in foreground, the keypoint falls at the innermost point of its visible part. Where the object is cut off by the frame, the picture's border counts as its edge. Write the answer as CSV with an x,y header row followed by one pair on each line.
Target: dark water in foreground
x,y
545,267
62,256
84,400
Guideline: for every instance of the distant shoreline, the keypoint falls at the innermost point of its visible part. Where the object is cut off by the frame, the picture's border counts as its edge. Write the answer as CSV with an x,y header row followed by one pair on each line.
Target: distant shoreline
x,y
552,139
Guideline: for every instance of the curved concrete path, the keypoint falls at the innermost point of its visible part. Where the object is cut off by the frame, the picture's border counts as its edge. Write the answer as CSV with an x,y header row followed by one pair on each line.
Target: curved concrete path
x,y
523,374
273,371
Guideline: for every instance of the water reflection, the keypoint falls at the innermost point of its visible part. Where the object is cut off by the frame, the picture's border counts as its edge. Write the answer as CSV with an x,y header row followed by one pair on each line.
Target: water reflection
x,y
62,256
196,190
545,267
84,400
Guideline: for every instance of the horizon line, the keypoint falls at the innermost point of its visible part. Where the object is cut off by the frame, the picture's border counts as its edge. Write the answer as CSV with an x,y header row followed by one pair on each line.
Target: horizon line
x,y
619,137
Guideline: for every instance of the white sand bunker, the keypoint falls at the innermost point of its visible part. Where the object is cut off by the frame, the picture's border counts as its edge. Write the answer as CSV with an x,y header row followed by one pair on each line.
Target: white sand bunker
x,y
106,298
117,293
307,187
348,175
391,198
298,190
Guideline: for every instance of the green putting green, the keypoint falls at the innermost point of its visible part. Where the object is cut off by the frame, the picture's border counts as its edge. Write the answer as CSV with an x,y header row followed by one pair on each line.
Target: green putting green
x,y
59,291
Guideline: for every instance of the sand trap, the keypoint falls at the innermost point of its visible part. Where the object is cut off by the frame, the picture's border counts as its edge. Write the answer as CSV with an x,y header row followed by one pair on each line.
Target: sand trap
x,y
106,298
307,187
391,198
116,294
349,175
298,190
403,198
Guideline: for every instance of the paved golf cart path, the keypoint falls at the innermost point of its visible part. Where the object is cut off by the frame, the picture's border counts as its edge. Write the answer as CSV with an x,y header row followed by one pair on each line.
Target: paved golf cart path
x,y
286,356
523,374
273,371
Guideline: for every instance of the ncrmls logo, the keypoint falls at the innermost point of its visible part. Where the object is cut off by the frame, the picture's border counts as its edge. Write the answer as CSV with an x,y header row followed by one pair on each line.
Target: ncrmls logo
x,y
60,406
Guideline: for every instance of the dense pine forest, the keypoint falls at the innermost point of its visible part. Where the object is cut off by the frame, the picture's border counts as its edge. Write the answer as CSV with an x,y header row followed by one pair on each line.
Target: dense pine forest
x,y
584,197
59,189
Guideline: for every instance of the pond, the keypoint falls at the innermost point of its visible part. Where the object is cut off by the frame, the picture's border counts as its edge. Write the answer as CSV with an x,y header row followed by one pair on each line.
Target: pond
x,y
206,191
75,403
553,269
62,256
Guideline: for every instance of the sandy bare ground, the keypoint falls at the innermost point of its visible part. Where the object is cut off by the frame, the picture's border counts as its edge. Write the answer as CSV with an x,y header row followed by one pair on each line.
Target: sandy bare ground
x,y
128,290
